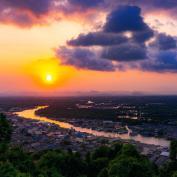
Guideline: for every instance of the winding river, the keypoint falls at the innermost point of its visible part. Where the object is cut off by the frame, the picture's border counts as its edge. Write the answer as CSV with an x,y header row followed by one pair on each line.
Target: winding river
x,y
30,114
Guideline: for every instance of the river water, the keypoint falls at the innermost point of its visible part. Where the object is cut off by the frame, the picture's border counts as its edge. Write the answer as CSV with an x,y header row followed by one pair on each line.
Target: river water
x,y
30,114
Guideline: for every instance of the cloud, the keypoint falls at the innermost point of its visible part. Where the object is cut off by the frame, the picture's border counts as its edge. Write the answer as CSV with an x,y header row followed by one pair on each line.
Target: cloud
x,y
24,13
125,18
86,3
112,38
98,39
42,11
167,4
31,12
164,61
124,42
128,18
142,36
36,7
125,52
165,42
147,5
83,59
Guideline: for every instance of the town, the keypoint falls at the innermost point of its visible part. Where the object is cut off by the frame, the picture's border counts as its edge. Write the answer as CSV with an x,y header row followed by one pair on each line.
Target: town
x,y
34,135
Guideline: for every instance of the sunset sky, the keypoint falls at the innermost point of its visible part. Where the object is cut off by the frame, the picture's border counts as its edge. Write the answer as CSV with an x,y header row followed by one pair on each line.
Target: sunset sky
x,y
72,47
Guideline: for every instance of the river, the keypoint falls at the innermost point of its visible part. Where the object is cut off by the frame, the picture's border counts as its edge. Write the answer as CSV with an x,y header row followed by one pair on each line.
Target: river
x,y
30,114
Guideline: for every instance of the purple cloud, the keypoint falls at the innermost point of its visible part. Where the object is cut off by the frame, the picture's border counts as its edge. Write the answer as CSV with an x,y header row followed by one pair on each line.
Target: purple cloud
x,y
39,11
127,52
98,39
83,59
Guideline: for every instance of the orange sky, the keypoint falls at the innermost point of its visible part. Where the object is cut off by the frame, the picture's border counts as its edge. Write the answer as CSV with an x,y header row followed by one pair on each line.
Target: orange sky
x,y
27,55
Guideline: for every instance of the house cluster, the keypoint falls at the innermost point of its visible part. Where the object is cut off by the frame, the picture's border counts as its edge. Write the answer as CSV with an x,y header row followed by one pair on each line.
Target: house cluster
x,y
35,135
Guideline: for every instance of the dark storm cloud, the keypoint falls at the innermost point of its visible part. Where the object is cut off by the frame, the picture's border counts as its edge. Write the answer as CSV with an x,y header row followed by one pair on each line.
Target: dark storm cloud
x,y
40,11
24,12
83,59
125,18
164,61
113,41
98,38
145,4
36,7
128,18
125,52
86,3
167,4
112,37
142,36
166,42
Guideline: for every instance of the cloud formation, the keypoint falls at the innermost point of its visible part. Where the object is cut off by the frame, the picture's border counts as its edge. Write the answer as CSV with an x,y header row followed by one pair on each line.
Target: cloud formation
x,y
124,39
36,7
83,59
24,13
125,52
125,18
86,3
31,12
98,39
166,42
164,61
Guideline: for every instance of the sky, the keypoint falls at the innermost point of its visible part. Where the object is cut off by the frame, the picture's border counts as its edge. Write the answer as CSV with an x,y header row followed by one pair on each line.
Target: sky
x,y
88,47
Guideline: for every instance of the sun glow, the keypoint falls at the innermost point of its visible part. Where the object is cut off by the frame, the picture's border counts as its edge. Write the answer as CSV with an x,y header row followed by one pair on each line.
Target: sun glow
x,y
49,78
48,73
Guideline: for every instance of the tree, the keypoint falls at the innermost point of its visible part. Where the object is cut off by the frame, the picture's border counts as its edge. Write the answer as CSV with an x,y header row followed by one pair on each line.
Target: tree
x,y
174,174
7,170
129,150
173,150
97,165
102,151
130,167
5,129
103,173
21,160
168,169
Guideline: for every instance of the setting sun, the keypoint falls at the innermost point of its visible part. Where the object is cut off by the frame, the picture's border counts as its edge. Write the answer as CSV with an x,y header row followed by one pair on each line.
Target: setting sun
x,y
49,78
49,74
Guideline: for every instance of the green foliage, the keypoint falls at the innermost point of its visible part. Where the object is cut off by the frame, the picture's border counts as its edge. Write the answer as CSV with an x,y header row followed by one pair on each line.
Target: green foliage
x,y
129,150
103,151
173,150
7,170
174,174
103,173
115,161
69,164
21,161
130,167
168,169
5,129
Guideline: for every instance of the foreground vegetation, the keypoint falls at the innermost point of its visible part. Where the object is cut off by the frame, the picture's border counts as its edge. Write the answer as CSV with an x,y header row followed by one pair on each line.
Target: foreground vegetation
x,y
118,160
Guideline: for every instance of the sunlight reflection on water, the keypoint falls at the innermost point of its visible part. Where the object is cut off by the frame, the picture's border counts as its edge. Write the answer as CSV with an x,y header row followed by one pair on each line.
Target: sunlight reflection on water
x,y
30,114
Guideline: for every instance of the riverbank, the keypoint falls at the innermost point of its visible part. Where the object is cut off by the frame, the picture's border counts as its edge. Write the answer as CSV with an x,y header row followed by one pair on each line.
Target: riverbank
x,y
86,126
35,133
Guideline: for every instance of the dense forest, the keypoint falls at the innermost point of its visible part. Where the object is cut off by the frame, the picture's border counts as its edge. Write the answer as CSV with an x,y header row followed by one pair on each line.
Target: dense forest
x,y
145,109
117,160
